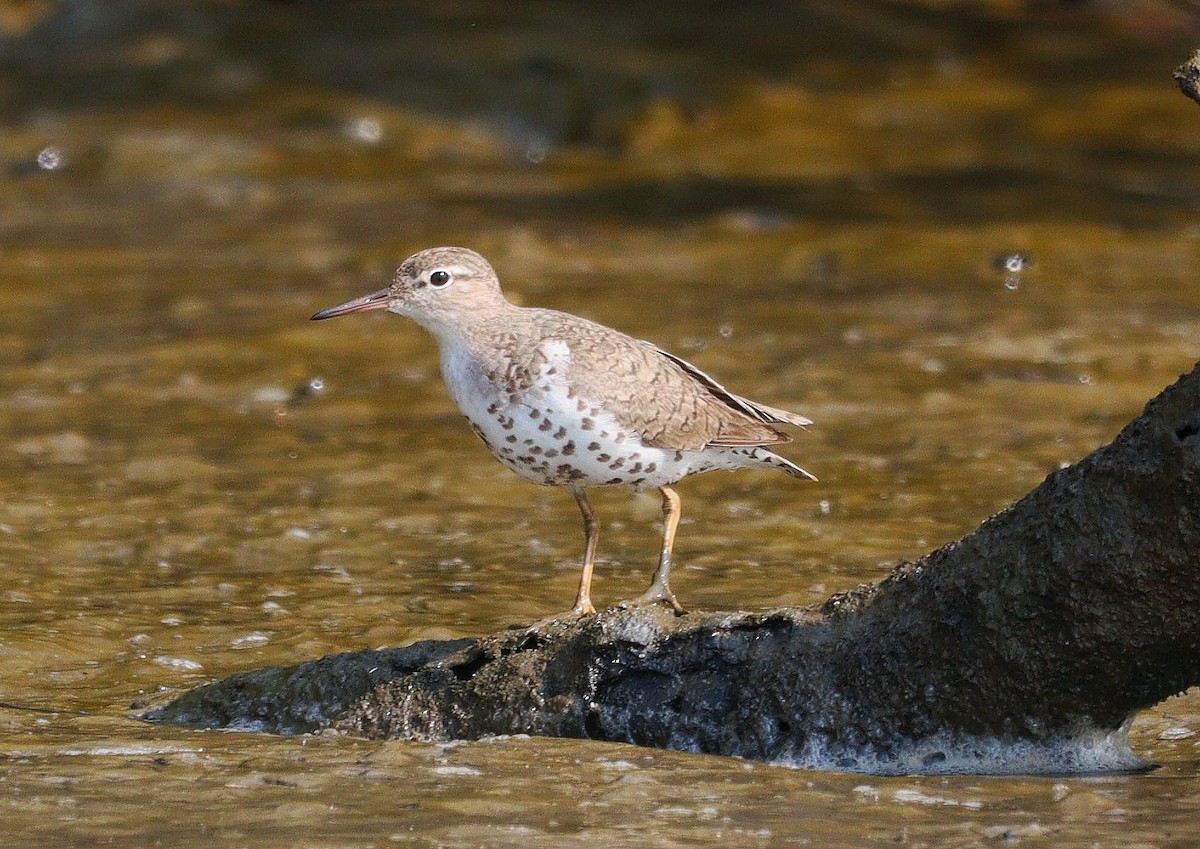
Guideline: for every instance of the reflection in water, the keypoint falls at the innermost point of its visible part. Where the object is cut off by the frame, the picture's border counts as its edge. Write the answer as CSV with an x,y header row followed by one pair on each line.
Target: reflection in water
x,y
198,481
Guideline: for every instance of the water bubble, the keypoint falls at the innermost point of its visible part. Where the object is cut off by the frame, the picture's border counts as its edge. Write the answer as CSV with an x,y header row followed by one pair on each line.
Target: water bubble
x,y
536,152
1013,263
452,769
316,384
1177,732
365,130
179,663
824,506
726,330
271,394
256,638
51,158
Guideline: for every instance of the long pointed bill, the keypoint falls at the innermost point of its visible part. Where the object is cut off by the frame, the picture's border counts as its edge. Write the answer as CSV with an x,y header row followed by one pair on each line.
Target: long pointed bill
x,y
374,301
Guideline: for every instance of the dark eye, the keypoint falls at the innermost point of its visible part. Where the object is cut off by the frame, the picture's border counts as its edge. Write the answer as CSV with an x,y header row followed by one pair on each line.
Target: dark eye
x,y
439,278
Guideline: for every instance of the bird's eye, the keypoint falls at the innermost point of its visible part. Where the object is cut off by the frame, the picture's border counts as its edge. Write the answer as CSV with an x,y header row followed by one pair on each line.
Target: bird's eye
x,y
439,279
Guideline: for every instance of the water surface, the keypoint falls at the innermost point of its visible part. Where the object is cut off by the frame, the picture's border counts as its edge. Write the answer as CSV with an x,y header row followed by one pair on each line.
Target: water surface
x,y
197,480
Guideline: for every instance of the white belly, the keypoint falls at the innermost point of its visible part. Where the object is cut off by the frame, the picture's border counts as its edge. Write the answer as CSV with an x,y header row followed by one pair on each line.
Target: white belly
x,y
547,434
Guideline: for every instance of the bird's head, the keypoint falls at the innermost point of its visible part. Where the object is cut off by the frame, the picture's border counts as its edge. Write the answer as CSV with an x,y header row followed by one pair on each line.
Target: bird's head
x,y
436,287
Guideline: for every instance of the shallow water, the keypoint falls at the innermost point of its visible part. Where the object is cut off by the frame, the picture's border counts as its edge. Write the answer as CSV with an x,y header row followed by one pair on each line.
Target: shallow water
x,y
197,480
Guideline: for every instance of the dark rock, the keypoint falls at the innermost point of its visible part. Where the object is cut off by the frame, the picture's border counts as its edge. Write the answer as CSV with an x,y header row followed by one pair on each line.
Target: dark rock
x,y
1025,646
301,698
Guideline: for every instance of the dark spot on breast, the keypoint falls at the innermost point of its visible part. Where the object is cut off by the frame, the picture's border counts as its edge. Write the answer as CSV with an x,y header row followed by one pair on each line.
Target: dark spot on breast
x,y
568,449
635,468
535,450
603,458
560,433
651,467
545,425
581,405
528,442
587,424
551,452
511,438
617,463
593,446
616,480
533,414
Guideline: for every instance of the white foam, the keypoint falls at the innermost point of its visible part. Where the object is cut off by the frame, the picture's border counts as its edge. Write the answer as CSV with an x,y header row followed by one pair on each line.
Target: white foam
x,y
1089,750
130,750
179,662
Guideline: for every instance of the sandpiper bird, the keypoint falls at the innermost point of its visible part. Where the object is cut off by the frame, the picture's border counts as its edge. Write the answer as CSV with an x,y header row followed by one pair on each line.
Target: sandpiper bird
x,y
564,401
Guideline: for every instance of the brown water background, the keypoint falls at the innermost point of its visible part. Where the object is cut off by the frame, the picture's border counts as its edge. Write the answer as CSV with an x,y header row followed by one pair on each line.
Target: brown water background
x,y
962,239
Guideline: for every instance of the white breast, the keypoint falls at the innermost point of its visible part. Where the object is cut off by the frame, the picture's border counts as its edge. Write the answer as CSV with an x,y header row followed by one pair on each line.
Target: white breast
x,y
548,434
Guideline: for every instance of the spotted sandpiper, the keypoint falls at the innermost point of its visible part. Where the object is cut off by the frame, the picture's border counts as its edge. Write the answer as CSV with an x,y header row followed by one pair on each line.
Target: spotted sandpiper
x,y
564,401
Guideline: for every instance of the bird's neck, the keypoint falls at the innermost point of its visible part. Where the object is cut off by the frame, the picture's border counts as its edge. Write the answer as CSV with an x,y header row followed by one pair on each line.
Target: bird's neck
x,y
469,327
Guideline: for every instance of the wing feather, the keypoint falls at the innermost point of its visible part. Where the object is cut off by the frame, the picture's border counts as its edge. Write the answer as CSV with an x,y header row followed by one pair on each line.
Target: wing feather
x,y
755,410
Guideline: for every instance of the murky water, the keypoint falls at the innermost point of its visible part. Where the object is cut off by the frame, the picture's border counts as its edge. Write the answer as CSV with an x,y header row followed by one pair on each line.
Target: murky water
x,y
197,480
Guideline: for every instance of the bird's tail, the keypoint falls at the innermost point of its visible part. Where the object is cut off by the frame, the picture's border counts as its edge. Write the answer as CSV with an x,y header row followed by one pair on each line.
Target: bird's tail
x,y
770,458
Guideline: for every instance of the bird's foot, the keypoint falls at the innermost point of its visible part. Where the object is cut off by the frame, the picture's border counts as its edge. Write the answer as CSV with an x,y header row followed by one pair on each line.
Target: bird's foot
x,y
655,595
581,608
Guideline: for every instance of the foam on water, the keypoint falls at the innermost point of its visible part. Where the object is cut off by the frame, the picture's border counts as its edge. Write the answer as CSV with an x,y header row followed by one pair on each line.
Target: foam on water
x,y
1089,750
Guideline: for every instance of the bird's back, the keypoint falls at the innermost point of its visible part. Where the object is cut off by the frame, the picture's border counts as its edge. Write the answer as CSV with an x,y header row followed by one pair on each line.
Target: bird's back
x,y
670,403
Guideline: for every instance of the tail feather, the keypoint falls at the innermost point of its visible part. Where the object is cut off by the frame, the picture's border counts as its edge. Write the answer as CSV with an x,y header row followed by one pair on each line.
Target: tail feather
x,y
774,415
784,465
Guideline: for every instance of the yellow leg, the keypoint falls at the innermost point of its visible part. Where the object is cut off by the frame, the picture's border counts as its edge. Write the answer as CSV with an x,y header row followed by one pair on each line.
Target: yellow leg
x,y
660,588
591,535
